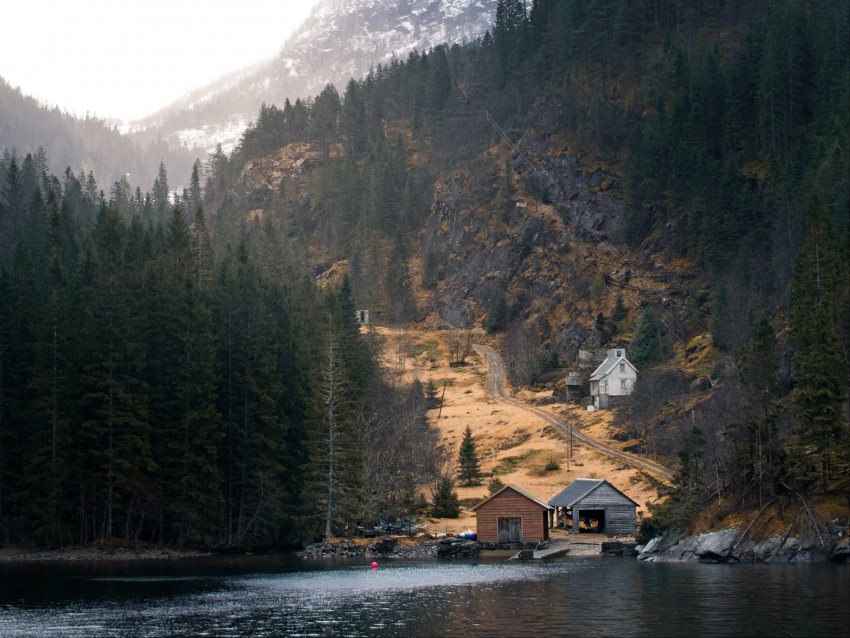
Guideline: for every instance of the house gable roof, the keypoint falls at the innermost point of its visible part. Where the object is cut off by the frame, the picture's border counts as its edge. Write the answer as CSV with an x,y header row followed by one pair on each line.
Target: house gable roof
x,y
519,491
579,489
606,367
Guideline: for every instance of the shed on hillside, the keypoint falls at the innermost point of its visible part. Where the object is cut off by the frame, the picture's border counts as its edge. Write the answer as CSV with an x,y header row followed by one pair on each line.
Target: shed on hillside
x,y
601,506
512,515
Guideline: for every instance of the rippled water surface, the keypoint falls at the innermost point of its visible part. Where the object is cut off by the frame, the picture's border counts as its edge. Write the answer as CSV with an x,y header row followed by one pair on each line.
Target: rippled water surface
x,y
282,596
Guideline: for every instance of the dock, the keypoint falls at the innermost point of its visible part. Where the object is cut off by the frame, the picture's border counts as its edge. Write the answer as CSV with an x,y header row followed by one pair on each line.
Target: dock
x,y
550,552
553,550
591,545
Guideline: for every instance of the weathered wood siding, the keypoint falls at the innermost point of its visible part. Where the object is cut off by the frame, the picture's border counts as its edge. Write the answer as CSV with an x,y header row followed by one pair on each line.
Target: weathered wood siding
x,y
621,383
620,520
620,512
510,503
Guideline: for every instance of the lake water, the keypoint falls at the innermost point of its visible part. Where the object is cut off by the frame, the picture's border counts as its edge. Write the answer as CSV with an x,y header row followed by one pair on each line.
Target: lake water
x,y
286,596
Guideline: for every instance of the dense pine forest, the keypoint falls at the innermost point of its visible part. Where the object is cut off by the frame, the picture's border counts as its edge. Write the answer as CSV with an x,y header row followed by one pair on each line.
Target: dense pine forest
x,y
171,372
156,389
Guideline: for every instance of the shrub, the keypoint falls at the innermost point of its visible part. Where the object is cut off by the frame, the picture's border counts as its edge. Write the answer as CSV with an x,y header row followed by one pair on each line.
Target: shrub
x,y
494,485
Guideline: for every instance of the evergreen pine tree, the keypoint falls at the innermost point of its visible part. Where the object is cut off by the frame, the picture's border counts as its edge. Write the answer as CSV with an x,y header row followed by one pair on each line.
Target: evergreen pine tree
x,y
820,430
402,306
446,503
52,382
194,196
469,471
114,437
250,391
757,439
646,347
509,33
335,468
620,310
494,485
159,193
182,382
497,312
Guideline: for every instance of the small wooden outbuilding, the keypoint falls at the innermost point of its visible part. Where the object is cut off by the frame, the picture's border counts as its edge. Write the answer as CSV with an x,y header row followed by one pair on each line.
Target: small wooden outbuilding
x,y
512,515
597,504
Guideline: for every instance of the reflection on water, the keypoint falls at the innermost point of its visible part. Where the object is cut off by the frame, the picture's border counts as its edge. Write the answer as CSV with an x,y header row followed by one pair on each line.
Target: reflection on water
x,y
278,597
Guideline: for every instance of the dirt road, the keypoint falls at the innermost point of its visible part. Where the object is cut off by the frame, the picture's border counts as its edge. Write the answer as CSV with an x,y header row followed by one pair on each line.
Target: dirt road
x,y
496,387
515,442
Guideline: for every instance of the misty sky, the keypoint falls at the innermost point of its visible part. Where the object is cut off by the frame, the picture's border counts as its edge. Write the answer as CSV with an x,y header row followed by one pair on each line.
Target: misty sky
x,y
126,58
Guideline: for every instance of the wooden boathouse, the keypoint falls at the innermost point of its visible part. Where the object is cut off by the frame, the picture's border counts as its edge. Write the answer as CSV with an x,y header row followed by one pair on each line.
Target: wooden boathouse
x,y
594,505
512,515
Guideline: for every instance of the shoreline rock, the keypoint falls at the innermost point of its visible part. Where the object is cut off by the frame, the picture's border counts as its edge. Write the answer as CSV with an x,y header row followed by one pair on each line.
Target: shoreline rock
x,y
387,547
454,547
724,546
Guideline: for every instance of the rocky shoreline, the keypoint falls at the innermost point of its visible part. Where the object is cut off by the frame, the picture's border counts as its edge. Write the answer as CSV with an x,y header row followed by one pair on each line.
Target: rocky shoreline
x,y
388,547
723,546
453,547
727,546
22,554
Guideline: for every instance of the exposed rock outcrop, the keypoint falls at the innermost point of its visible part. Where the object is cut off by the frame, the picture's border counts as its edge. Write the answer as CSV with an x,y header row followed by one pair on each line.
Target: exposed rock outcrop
x,y
726,546
619,548
544,247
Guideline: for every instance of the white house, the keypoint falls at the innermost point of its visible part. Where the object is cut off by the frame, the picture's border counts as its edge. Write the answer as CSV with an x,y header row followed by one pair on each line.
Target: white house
x,y
614,377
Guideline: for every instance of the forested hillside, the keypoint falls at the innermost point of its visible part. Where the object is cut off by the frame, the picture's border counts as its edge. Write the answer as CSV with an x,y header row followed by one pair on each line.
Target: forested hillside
x,y
667,175
83,144
671,176
153,388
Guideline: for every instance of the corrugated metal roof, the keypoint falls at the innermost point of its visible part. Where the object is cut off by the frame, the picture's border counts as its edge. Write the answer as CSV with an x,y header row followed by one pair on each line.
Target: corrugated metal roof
x,y
574,492
578,489
519,490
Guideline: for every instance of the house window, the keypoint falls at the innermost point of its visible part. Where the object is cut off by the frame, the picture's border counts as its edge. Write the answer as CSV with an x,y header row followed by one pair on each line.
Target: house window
x,y
622,385
619,353
622,368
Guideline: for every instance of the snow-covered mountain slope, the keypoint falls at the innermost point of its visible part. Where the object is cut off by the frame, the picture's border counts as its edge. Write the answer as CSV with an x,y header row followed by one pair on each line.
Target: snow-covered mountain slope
x,y
341,39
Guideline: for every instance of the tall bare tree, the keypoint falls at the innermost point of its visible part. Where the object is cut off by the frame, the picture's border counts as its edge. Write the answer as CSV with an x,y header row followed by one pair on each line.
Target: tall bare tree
x,y
332,390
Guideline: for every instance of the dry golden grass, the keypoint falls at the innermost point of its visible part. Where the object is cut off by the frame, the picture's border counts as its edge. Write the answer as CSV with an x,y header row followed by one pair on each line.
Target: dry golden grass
x,y
512,444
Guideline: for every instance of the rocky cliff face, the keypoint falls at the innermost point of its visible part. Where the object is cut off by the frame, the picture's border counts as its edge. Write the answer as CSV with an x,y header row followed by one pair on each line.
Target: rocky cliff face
x,y
541,226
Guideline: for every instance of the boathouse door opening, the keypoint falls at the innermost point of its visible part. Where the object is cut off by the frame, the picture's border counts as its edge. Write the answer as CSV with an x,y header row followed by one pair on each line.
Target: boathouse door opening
x,y
594,521
509,529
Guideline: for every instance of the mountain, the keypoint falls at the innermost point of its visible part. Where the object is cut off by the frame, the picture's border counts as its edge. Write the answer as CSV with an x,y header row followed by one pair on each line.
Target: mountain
x,y
338,41
84,144
592,175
